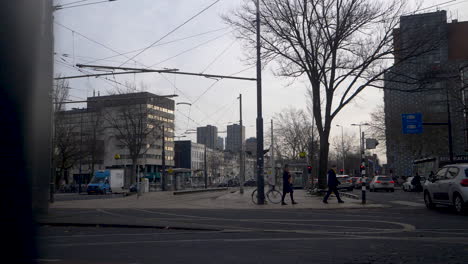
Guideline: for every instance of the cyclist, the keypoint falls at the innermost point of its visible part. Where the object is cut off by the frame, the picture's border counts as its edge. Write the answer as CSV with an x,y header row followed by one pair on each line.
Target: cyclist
x,y
287,185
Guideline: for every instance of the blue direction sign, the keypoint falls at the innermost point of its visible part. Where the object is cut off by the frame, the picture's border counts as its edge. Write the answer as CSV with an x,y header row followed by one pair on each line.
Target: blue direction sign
x,y
412,123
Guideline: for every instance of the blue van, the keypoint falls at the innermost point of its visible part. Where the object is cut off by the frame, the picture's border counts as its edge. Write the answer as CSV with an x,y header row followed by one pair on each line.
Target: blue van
x,y
99,184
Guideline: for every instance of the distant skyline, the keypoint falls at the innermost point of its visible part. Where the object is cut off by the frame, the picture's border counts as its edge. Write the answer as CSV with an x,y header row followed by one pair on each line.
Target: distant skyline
x,y
122,26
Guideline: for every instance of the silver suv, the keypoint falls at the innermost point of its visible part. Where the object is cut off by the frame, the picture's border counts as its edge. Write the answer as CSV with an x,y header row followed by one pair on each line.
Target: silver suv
x,y
448,187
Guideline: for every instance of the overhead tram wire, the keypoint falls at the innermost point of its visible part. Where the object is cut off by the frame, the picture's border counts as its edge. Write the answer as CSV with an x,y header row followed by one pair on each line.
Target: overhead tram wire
x,y
170,32
188,50
161,44
441,5
72,6
186,96
102,78
219,56
97,42
66,55
75,2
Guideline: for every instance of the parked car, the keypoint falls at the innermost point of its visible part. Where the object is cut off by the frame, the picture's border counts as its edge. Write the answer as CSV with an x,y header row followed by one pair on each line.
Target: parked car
x,y
357,182
382,183
250,182
223,184
133,188
233,183
408,187
449,186
345,182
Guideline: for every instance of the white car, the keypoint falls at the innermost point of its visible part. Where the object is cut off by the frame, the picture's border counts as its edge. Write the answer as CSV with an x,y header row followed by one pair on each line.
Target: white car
x,y
408,187
382,183
345,182
448,187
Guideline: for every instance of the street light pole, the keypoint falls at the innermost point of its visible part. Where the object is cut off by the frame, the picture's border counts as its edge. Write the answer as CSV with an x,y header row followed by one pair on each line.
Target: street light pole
x,y
361,142
241,151
260,182
163,164
205,169
342,147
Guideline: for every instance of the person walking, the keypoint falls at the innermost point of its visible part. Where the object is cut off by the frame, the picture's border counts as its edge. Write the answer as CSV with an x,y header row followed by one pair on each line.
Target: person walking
x,y
287,185
416,182
332,185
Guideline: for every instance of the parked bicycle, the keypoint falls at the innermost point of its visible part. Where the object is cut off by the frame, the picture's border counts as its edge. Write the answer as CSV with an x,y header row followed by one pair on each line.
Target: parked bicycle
x,y
273,195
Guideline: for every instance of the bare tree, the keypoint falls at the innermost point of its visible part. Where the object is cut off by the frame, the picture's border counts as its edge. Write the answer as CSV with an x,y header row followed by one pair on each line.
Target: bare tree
x,y
66,144
214,161
137,126
93,144
377,127
338,46
293,131
343,148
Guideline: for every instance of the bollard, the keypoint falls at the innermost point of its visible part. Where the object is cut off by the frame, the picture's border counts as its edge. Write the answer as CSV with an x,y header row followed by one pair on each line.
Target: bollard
x,y
363,193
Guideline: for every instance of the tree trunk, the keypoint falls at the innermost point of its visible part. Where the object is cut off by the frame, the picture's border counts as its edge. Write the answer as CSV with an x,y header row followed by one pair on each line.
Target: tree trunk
x,y
323,159
132,174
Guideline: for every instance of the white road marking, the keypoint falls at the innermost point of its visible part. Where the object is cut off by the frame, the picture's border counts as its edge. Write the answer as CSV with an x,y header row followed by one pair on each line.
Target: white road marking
x,y
409,203
451,240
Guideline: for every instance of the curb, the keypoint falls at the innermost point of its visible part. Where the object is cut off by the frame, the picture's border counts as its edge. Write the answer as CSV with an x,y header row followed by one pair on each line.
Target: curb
x,y
352,196
199,191
71,224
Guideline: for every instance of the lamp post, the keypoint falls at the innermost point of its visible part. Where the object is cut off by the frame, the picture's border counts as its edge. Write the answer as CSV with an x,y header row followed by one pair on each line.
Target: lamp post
x,y
260,181
342,147
361,138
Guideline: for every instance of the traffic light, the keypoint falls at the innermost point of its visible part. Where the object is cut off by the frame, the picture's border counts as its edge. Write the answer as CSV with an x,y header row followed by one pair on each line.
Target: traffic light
x,y
341,171
309,169
363,167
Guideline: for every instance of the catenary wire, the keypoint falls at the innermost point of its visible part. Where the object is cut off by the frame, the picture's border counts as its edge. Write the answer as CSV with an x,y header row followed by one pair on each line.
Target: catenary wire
x,y
160,44
170,32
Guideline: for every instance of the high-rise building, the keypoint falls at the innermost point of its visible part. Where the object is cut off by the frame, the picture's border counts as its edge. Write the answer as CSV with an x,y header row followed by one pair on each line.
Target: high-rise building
x,y
251,146
233,139
220,145
426,84
207,136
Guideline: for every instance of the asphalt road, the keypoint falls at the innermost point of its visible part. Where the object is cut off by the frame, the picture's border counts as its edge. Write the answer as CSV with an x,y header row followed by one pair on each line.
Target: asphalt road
x,y
404,233
84,196
397,199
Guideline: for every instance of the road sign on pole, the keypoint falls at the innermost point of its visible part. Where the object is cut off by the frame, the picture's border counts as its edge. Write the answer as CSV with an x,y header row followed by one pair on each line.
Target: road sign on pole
x,y
412,123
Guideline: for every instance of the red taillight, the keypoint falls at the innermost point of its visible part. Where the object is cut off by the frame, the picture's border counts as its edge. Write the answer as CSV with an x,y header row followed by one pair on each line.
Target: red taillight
x,y
392,182
464,183
350,181
378,182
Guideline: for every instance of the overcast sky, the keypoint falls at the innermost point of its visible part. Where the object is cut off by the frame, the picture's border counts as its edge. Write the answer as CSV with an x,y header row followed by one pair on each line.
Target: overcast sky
x,y
104,30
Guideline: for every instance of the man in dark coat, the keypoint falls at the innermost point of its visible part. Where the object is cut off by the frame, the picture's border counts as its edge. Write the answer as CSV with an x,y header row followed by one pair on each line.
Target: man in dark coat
x,y
287,185
332,185
416,182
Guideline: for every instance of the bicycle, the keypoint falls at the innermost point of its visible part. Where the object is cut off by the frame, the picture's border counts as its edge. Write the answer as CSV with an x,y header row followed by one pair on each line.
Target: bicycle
x,y
273,195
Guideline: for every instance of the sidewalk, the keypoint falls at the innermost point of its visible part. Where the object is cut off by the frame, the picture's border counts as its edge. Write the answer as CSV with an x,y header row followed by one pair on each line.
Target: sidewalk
x,y
229,199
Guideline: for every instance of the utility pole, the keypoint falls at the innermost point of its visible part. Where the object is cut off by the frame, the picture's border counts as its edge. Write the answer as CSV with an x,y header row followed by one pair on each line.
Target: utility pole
x,y
163,175
362,170
342,149
241,151
272,158
205,170
449,124
81,152
260,181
